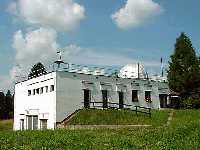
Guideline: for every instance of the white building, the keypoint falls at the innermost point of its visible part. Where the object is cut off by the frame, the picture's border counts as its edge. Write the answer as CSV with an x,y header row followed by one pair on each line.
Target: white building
x,y
45,101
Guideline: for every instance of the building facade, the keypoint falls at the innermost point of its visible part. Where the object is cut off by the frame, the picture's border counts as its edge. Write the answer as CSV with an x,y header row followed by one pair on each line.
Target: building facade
x,y
45,101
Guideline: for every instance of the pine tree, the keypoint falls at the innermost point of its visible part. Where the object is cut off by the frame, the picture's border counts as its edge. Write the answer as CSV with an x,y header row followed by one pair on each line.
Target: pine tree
x,y
9,105
37,70
184,71
2,105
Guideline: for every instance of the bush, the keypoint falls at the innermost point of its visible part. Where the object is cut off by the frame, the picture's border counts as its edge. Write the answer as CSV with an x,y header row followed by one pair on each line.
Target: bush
x,y
191,102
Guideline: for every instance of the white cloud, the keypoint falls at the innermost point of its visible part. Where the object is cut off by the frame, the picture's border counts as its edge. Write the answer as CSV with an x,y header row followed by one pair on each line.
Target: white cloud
x,y
135,13
34,46
61,15
6,83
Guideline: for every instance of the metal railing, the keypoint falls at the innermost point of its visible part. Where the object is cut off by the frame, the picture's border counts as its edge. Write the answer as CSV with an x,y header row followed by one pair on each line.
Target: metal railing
x,y
138,109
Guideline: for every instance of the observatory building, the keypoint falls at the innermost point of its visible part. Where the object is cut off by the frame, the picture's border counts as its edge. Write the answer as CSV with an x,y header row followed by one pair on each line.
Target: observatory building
x,y
45,101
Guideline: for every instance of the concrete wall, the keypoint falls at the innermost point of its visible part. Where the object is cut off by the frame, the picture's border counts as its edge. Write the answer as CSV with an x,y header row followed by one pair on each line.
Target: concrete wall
x,y
68,95
70,91
43,105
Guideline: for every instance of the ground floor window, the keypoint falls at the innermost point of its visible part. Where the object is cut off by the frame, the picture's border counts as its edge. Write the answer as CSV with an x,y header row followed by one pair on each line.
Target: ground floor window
x,y
105,98
21,124
87,98
32,122
148,96
134,96
43,123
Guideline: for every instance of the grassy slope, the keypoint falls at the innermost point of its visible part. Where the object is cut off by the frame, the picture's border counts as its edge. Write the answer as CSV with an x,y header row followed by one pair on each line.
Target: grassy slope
x,y
183,133
6,125
118,117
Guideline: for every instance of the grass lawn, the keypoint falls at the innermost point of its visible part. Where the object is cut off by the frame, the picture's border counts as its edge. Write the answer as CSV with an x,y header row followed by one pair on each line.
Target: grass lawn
x,y
118,117
6,125
183,133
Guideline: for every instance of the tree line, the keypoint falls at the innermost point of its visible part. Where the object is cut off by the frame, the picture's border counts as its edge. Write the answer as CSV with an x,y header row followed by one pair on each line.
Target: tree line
x,y
6,105
184,73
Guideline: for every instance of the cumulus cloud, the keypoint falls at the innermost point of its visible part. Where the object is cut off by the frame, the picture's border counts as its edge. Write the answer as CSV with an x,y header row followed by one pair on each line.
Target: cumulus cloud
x,y
35,46
135,13
61,15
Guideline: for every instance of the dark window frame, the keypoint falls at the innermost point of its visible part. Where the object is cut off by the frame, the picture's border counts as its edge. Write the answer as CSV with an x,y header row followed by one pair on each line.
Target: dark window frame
x,y
135,96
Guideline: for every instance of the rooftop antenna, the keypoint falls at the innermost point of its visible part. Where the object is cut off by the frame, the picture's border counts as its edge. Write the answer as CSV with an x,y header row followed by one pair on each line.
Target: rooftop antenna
x,y
60,61
138,70
161,61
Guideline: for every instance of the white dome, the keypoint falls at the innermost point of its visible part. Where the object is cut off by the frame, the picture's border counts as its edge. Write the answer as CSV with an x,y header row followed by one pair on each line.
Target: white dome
x,y
131,71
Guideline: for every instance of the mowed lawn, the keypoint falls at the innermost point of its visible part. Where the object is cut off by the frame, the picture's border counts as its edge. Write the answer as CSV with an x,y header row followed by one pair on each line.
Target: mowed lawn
x,y
182,133
118,117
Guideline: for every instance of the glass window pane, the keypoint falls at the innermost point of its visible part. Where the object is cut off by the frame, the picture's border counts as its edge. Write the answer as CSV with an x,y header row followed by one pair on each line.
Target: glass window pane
x,y
29,119
43,124
35,122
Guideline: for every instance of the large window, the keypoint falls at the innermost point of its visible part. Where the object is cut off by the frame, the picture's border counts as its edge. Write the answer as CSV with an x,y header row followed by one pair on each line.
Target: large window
x,y
51,88
29,92
43,123
21,124
33,91
37,90
32,122
134,95
46,87
148,96
41,90
105,98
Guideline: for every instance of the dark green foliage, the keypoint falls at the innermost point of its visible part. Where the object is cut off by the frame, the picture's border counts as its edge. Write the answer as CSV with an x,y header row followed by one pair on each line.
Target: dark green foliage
x,y
6,105
2,104
184,71
37,70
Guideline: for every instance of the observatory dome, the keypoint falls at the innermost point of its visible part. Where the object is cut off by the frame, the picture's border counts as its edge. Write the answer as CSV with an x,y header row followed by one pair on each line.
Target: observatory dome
x,y
132,71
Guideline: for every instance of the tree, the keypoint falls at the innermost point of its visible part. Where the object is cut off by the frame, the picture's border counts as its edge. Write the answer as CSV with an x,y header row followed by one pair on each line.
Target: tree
x,y
2,104
184,71
37,70
9,107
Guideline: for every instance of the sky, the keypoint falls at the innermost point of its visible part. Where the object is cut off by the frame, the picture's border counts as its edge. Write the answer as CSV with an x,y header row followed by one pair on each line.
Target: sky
x,y
92,32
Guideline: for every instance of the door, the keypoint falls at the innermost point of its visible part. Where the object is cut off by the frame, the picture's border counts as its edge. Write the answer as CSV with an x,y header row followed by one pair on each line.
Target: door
x,y
32,122
105,98
163,100
121,100
87,98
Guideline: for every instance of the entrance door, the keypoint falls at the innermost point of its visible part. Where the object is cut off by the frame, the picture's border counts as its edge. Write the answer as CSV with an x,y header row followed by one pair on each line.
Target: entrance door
x,y
32,122
87,98
121,100
163,100
105,98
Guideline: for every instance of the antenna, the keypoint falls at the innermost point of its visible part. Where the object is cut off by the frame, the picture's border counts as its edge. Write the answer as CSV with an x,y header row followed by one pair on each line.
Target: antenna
x,y
60,61
138,70
161,61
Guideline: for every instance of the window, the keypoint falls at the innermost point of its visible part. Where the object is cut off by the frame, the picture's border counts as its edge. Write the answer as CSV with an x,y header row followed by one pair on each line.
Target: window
x,y
105,98
41,90
32,122
29,92
134,96
33,91
46,87
21,124
38,91
51,88
148,96
43,123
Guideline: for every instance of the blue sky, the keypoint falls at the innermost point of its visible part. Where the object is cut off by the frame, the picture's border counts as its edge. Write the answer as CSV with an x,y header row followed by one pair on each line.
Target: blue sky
x,y
97,37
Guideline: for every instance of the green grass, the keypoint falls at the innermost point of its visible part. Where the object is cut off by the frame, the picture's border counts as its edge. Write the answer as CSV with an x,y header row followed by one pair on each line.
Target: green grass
x,y
183,133
6,125
118,117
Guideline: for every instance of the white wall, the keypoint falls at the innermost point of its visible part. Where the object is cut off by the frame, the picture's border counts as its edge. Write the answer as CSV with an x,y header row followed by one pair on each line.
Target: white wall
x,y
43,105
